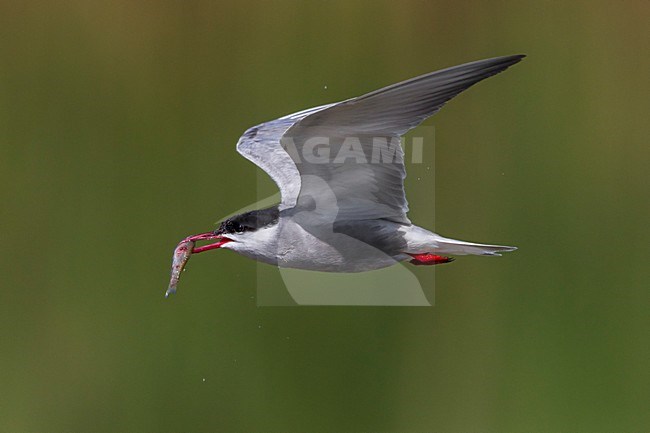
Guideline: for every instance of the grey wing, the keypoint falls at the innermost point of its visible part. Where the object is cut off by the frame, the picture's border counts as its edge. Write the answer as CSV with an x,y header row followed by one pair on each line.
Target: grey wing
x,y
395,109
361,184
261,145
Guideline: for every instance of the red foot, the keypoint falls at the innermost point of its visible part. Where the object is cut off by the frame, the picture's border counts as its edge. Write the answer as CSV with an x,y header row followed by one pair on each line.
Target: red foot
x,y
429,259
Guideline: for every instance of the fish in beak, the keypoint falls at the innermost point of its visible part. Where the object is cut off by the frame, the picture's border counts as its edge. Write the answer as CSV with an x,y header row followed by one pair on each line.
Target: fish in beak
x,y
185,249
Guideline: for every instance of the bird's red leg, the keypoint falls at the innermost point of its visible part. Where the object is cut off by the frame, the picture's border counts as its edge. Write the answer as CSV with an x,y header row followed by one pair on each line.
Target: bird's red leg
x,y
429,259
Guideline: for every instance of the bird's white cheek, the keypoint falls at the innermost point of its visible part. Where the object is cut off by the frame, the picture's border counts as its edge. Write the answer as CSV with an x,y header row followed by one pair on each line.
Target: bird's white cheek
x,y
234,245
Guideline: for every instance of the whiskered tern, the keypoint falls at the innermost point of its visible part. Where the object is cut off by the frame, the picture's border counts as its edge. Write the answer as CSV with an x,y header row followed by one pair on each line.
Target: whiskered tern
x,y
340,171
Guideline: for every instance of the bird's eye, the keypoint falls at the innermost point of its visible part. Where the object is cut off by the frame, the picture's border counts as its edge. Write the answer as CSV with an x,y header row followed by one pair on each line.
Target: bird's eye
x,y
234,227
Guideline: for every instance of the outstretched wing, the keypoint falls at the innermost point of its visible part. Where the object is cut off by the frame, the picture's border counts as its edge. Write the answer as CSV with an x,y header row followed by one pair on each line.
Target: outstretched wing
x,y
345,158
365,185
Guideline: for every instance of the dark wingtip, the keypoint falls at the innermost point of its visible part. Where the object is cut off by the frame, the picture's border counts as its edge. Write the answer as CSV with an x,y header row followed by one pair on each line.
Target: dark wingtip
x,y
511,60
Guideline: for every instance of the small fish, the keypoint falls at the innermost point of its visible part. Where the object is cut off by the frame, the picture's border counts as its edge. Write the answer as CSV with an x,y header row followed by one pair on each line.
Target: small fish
x,y
181,256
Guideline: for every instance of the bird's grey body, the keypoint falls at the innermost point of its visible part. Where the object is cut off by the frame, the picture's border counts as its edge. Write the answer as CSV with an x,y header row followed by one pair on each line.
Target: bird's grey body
x,y
340,171
302,240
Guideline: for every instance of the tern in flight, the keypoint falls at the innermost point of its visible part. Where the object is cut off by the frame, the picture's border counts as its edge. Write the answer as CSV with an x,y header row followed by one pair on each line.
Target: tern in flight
x,y
340,171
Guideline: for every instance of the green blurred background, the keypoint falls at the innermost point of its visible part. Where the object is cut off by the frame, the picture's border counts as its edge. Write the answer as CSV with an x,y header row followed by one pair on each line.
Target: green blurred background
x,y
118,122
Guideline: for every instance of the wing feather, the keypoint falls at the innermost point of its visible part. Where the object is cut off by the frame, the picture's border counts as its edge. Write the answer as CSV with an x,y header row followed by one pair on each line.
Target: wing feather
x,y
375,189
357,186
